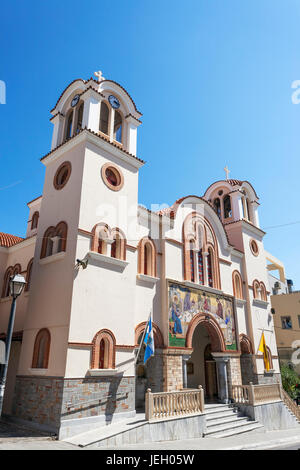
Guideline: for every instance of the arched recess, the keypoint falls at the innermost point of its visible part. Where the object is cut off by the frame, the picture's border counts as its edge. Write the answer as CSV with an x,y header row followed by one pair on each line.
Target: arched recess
x,y
158,337
147,257
100,234
41,349
197,228
245,344
213,329
237,284
118,248
109,352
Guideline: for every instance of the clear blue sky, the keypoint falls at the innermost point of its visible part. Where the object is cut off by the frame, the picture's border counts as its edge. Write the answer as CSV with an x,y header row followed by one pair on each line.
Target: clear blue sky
x,y
212,78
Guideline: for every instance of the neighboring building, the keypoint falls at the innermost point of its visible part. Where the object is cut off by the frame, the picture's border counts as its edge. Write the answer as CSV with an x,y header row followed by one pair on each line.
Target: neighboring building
x,y
199,265
286,315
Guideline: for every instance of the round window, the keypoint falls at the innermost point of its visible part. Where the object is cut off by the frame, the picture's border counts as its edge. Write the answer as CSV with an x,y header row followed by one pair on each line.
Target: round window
x,y
62,175
112,176
254,247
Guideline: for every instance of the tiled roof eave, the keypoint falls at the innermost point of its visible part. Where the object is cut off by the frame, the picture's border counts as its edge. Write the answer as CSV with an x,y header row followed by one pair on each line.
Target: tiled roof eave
x,y
85,129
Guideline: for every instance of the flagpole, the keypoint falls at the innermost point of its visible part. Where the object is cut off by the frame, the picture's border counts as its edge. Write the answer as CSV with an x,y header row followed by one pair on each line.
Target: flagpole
x,y
136,358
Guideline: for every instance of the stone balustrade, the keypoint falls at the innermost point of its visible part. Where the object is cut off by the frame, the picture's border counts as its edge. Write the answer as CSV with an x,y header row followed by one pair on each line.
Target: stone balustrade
x,y
256,394
182,403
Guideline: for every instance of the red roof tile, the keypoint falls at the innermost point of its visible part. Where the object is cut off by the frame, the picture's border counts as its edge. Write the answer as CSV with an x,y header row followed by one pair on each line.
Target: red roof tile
x,y
8,240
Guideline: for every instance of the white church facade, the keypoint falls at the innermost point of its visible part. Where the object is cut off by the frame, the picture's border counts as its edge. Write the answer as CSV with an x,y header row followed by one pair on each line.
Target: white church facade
x,y
97,263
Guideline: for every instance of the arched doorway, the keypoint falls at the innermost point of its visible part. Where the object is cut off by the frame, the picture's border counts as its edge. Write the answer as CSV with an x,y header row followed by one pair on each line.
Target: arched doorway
x,y
201,367
205,337
147,375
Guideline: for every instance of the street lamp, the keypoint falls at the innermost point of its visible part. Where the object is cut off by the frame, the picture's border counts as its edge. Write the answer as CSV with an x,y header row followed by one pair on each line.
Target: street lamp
x,y
16,286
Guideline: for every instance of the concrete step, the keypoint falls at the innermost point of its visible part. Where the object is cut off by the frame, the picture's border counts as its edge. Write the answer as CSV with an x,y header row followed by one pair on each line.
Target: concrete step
x,y
219,409
213,424
219,414
252,426
232,428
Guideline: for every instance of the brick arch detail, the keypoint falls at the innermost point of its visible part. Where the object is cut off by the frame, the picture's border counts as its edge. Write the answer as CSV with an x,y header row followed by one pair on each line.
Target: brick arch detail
x,y
158,337
246,344
213,329
109,337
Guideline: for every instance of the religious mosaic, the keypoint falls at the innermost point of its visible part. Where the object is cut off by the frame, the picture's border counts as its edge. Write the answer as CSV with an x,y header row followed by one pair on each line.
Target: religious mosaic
x,y
186,302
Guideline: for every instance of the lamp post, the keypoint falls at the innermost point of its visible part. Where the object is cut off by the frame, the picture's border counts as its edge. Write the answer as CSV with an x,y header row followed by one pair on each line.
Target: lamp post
x,y
16,286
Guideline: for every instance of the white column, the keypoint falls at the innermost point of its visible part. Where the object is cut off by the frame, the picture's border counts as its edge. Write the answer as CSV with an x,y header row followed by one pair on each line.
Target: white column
x,y
58,122
205,270
91,110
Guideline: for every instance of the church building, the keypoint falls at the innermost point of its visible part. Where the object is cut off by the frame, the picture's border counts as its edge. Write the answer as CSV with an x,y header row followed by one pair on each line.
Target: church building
x,y
97,263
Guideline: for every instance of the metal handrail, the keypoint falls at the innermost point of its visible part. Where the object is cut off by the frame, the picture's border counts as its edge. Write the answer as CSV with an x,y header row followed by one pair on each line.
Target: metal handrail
x,y
74,405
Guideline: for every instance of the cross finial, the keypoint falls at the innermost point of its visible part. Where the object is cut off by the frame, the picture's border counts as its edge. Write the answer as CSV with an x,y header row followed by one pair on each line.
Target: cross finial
x,y
227,171
99,76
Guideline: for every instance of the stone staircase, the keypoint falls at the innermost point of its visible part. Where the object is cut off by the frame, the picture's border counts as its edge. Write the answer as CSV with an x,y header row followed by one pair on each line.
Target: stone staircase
x,y
225,420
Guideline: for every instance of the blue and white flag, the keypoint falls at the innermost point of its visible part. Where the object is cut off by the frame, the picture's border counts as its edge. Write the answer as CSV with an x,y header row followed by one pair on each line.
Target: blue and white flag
x,y
149,340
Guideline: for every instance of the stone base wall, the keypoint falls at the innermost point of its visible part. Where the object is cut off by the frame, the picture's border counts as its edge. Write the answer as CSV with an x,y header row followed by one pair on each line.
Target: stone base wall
x,y
172,370
268,378
39,399
247,369
234,373
49,400
274,416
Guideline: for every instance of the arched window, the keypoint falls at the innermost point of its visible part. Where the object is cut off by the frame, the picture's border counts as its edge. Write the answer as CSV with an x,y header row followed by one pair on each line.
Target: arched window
x,y
200,267
41,349
69,124
54,240
227,206
7,276
263,291
118,247
237,285
192,263
118,127
28,275
256,290
35,220
217,206
104,350
147,257
210,273
104,118
61,234
79,118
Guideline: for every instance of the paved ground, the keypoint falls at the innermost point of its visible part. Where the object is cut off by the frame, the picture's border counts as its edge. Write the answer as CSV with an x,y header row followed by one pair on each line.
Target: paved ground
x,y
13,437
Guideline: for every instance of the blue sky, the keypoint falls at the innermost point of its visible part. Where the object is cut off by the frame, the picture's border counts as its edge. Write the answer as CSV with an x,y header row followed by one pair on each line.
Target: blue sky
x,y
212,78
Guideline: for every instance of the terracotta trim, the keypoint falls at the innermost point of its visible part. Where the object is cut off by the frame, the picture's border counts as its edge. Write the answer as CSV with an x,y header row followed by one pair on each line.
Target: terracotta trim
x,y
176,242
52,232
246,345
44,332
224,261
213,329
125,347
158,337
72,343
68,166
240,280
28,275
110,349
117,172
254,252
85,232
141,256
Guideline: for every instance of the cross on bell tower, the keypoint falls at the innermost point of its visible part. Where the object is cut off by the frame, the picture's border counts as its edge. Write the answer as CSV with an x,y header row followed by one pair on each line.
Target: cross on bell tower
x,y
227,171
99,76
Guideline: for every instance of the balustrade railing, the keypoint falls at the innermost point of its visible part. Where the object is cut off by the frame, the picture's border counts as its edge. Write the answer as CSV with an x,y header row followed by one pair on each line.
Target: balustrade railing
x,y
174,404
256,394
294,408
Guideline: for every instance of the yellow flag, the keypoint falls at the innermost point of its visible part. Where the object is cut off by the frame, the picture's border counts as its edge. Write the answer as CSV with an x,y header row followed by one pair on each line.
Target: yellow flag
x,y
263,348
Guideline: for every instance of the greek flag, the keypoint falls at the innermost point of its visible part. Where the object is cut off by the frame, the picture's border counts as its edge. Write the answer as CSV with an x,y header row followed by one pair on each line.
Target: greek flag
x,y
149,340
